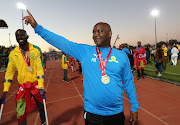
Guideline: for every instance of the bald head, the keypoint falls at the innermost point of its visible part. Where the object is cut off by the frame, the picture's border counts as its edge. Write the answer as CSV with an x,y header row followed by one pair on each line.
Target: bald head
x,y
139,43
105,25
102,34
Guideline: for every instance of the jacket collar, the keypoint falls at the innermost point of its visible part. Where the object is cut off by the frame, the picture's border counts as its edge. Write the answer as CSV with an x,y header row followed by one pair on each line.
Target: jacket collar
x,y
30,48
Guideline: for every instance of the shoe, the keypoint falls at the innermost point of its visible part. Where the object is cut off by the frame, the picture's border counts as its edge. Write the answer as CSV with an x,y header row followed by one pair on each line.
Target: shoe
x,y
138,78
67,81
143,77
63,80
159,74
44,69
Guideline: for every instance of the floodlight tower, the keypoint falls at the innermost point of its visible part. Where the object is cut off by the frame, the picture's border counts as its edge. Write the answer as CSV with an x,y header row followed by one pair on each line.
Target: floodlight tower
x,y
155,13
22,7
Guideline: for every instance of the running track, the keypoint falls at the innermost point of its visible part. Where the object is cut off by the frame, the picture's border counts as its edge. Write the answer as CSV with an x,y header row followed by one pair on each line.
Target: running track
x,y
159,101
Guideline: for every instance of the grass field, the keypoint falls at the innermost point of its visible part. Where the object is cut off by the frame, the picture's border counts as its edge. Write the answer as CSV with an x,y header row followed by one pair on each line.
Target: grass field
x,y
171,72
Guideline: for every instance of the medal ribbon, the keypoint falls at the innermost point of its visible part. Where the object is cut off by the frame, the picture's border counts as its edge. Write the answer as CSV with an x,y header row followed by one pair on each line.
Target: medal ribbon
x,y
103,64
27,60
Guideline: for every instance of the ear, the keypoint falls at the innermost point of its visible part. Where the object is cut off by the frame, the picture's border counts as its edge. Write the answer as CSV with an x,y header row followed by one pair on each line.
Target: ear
x,y
27,36
110,34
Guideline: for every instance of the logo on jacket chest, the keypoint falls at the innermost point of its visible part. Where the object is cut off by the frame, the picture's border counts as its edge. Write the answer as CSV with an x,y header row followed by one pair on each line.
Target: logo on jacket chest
x,y
94,58
32,56
113,59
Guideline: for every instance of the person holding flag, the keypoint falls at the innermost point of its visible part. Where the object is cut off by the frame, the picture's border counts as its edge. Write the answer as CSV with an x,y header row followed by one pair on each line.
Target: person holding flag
x,y
105,71
27,59
139,59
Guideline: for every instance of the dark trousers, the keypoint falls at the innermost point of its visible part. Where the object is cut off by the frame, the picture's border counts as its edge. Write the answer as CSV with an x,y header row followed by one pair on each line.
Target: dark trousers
x,y
152,57
93,119
142,71
159,67
148,60
80,69
40,107
166,61
44,64
131,59
65,75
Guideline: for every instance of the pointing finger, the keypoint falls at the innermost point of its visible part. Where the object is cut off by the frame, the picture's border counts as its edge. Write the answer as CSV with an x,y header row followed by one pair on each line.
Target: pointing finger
x,y
29,13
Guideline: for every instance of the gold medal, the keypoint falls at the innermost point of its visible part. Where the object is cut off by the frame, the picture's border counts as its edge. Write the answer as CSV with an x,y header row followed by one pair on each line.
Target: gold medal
x,y
30,69
105,79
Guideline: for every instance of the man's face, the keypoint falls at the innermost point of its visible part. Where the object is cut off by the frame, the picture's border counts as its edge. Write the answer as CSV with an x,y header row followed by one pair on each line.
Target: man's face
x,y
101,35
21,37
163,46
139,44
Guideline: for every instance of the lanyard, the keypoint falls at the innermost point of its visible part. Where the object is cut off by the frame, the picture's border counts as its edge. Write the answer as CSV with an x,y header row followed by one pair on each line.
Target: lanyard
x,y
103,64
27,60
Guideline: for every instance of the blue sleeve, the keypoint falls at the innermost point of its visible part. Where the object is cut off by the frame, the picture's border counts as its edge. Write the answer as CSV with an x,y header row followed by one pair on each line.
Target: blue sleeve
x,y
77,51
128,81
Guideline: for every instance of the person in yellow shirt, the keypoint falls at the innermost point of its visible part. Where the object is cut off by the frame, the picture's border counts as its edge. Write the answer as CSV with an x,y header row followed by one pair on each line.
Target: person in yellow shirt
x,y
65,67
27,59
165,49
179,51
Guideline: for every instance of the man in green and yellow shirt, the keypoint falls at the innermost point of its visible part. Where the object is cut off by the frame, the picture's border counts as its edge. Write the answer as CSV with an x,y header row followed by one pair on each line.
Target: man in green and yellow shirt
x,y
65,67
165,49
27,59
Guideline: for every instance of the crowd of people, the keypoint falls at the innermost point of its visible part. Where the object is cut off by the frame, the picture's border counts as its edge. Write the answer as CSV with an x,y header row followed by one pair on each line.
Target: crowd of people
x,y
160,55
4,53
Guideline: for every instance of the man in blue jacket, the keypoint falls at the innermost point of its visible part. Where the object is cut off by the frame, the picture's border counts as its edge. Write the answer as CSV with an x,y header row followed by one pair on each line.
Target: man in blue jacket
x,y
105,71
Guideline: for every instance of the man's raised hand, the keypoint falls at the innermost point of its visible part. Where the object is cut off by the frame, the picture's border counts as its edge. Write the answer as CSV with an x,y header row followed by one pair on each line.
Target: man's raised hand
x,y
30,20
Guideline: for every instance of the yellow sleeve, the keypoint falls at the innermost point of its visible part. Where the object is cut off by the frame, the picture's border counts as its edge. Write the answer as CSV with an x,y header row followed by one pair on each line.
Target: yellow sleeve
x,y
40,71
9,73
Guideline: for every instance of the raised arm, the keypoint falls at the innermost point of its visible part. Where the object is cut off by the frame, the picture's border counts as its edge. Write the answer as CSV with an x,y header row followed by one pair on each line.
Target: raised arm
x,y
75,50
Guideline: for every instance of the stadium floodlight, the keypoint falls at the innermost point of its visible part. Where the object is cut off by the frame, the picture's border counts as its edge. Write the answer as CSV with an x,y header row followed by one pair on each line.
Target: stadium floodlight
x,y
22,7
155,13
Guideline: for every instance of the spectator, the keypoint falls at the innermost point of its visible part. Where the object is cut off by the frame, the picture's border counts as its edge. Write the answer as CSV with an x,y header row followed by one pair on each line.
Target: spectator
x,y
169,53
148,55
165,50
120,47
159,59
179,51
44,60
65,67
125,50
131,50
152,51
140,59
174,55
80,68
72,63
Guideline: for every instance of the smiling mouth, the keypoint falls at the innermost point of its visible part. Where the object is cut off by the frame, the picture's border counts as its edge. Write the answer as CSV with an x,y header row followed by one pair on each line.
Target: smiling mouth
x,y
21,41
97,39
